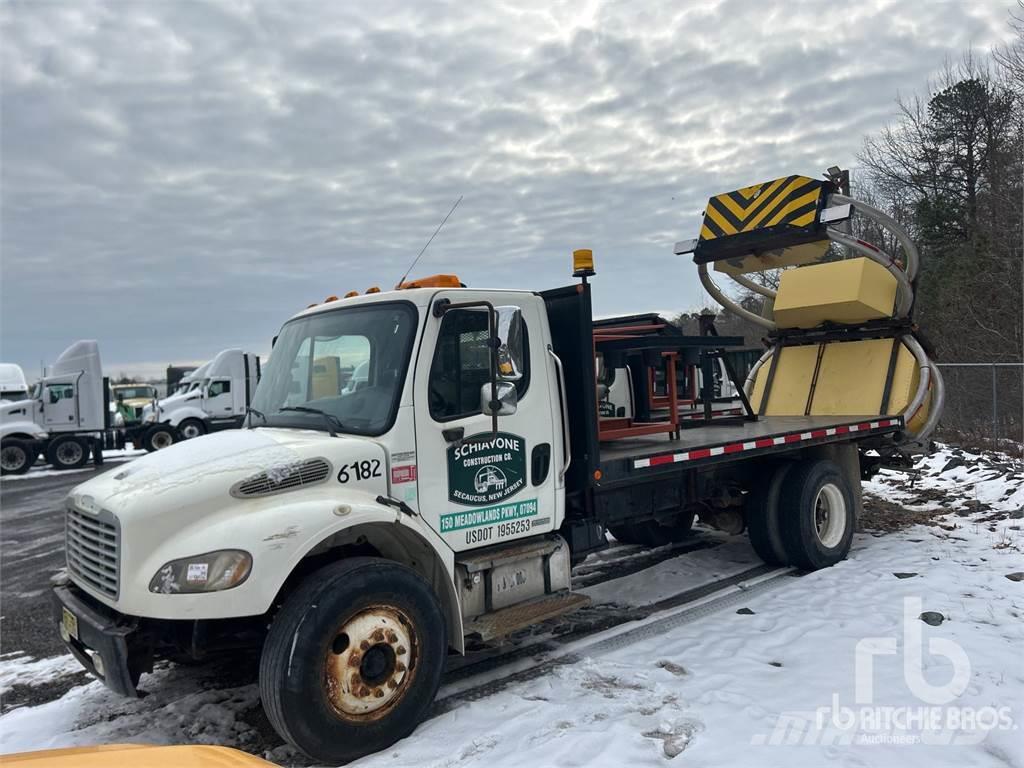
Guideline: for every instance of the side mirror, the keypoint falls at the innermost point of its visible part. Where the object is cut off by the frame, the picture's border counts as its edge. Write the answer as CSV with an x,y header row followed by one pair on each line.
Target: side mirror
x,y
508,398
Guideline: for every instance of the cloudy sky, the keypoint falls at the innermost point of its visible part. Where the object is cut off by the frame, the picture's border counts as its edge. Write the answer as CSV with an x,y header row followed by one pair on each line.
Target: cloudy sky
x,y
182,176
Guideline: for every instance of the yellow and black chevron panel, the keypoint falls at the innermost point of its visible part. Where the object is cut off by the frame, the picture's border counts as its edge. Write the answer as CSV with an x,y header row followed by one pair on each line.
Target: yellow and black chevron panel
x,y
775,214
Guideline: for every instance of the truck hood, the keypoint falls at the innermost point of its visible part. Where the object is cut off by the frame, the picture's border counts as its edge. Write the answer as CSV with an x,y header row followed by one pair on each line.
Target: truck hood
x,y
12,410
207,467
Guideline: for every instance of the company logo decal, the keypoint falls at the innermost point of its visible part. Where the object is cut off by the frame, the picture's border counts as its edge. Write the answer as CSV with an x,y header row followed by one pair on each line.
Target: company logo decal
x,y
486,470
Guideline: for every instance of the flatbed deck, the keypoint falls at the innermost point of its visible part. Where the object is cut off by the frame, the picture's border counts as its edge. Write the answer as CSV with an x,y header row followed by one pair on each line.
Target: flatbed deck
x,y
630,458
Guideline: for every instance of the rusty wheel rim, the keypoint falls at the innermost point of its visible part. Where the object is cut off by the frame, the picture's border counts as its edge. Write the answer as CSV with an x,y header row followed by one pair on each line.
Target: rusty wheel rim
x,y
370,663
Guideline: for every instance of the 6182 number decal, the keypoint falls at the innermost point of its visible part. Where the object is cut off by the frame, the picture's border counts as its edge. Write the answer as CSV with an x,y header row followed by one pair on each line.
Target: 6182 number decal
x,y
361,470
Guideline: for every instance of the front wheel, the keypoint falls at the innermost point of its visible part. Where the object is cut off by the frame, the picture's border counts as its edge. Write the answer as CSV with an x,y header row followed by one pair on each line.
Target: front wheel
x,y
816,514
159,436
16,456
190,428
67,452
353,659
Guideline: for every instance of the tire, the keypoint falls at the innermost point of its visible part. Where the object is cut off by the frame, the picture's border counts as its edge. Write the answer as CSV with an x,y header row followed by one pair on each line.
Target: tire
x,y
397,615
652,533
190,428
763,515
17,456
67,452
816,513
159,436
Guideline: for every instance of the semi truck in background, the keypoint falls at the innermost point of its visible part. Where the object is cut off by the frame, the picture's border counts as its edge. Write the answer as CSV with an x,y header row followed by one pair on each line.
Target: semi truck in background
x,y
215,396
67,418
12,383
128,402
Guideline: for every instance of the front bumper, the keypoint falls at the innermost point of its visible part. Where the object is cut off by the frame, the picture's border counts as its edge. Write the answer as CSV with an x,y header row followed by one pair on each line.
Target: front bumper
x,y
105,635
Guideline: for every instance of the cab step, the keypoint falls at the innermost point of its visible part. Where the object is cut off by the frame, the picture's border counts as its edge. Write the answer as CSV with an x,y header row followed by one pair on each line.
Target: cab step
x,y
507,620
505,554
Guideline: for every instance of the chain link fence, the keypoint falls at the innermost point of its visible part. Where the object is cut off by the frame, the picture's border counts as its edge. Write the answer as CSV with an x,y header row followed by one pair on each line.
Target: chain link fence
x,y
984,402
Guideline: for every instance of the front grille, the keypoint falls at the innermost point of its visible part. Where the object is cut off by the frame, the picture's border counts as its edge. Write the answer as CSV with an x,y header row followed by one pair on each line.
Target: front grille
x,y
92,543
286,478
138,412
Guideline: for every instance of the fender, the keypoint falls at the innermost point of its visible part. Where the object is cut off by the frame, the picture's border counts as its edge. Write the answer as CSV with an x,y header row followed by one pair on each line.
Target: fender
x,y
182,412
280,532
23,427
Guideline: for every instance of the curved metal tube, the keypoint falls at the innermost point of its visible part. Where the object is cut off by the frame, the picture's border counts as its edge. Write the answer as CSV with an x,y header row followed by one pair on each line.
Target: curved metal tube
x,y
884,219
729,304
750,285
925,368
748,383
904,291
938,403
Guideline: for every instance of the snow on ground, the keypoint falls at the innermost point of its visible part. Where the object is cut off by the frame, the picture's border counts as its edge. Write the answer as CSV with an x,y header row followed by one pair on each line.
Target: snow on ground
x,y
754,686
41,469
664,579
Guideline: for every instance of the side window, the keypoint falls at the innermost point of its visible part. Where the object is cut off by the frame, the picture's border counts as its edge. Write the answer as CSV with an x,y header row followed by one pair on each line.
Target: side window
x,y
58,392
219,388
461,365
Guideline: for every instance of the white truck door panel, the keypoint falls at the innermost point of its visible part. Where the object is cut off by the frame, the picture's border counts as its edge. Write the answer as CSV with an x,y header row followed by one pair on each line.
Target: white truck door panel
x,y
219,399
484,488
60,403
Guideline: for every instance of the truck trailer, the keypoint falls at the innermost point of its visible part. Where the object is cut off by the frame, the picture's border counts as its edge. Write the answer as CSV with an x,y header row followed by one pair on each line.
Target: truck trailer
x,y
359,535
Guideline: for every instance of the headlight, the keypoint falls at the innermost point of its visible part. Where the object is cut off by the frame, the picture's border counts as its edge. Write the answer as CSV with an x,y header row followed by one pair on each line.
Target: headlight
x,y
212,572
118,420
150,417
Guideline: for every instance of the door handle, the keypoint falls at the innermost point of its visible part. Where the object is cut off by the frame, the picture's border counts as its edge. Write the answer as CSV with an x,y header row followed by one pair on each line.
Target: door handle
x,y
453,434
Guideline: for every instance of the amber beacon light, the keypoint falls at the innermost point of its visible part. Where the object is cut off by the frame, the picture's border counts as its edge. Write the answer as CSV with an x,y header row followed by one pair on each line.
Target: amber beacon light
x,y
583,262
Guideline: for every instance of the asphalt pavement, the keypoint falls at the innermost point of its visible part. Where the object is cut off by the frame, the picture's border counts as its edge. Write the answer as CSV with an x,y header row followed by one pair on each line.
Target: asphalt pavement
x,y
31,552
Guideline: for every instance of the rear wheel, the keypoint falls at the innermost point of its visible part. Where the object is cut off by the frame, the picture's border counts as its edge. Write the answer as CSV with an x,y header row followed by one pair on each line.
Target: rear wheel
x,y
762,512
816,514
353,659
67,452
190,428
159,436
16,456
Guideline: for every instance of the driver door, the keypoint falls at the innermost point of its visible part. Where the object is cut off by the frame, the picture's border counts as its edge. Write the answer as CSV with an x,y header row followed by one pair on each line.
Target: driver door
x,y
60,406
219,400
477,488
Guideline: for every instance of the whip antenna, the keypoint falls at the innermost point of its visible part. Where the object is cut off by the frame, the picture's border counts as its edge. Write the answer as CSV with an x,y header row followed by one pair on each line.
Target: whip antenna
x,y
456,205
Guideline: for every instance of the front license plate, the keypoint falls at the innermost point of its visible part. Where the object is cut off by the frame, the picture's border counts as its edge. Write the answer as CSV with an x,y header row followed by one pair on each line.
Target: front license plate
x,y
70,622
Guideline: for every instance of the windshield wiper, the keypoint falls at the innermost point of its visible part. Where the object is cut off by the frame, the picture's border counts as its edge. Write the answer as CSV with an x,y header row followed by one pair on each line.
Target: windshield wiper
x,y
330,419
250,412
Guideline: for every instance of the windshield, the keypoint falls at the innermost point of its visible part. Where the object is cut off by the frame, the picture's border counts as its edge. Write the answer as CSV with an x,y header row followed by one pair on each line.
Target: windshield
x,y
349,363
132,393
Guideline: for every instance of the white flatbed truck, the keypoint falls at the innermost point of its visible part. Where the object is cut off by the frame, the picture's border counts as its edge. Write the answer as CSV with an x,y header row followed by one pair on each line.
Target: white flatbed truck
x,y
359,537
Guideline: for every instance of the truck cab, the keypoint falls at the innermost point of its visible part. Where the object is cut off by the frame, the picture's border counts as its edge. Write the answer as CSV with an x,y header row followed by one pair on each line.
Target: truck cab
x,y
213,397
129,401
66,417
12,383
